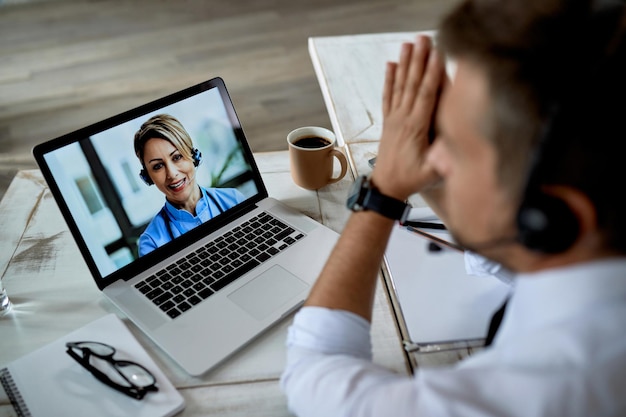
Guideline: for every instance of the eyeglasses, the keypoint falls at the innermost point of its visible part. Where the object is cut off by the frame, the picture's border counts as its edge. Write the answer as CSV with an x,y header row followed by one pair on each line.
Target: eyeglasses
x,y
128,377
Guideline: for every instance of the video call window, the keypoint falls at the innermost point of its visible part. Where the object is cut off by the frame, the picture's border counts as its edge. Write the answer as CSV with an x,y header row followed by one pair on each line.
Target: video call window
x,y
111,204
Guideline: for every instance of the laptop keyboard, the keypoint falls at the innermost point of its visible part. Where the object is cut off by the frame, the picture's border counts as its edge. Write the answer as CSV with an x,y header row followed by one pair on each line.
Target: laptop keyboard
x,y
192,279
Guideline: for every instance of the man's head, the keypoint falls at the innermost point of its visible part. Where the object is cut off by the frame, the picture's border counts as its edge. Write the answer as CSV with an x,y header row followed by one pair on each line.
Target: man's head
x,y
553,80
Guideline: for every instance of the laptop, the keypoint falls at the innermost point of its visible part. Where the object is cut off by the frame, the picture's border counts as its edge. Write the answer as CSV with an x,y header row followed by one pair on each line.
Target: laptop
x,y
203,293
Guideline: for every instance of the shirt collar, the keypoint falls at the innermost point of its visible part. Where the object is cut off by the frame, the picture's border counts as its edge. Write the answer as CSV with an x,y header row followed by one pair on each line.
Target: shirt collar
x,y
182,214
546,297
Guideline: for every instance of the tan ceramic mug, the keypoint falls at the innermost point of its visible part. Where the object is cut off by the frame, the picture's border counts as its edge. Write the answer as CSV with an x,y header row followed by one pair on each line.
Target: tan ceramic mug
x,y
312,154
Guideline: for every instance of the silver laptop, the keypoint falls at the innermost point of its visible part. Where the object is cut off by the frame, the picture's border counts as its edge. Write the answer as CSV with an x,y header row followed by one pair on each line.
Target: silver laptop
x,y
200,291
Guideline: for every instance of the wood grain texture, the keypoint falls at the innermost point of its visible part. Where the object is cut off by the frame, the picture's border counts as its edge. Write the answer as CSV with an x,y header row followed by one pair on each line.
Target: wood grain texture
x,y
67,63
52,294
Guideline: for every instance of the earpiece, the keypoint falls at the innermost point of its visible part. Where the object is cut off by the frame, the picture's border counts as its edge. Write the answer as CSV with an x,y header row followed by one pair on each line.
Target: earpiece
x,y
545,223
145,177
196,155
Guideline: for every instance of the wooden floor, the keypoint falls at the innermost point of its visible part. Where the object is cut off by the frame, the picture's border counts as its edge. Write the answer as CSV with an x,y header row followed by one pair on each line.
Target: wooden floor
x,y
68,63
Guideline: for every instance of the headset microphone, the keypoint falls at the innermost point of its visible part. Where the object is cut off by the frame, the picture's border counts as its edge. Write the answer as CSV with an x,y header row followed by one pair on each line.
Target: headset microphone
x,y
545,223
461,245
490,244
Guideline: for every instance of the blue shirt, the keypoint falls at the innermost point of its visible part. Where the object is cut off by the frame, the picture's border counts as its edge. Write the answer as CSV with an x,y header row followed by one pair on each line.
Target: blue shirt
x,y
171,222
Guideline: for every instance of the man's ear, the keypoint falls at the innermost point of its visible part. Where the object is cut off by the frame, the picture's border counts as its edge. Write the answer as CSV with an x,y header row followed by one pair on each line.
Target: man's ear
x,y
579,203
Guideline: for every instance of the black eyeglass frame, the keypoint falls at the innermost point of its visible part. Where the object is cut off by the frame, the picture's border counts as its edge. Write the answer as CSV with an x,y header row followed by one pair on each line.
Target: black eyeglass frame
x,y
132,390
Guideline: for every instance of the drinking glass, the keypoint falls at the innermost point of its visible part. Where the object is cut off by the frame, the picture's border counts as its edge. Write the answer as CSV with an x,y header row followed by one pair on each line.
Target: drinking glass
x,y
5,303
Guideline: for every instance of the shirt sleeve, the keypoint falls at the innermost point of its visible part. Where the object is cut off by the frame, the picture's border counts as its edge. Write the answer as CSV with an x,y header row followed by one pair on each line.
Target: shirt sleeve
x,y
329,370
154,235
146,244
329,373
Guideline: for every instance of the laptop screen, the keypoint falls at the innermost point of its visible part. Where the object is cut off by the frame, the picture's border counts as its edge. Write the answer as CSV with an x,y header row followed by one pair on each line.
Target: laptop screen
x,y
132,186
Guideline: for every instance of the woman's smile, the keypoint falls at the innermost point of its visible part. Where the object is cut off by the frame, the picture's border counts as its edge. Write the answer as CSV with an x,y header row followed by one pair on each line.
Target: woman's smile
x,y
172,173
178,186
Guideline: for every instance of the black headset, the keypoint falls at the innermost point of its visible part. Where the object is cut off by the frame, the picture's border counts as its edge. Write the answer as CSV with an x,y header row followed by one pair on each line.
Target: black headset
x,y
545,222
196,155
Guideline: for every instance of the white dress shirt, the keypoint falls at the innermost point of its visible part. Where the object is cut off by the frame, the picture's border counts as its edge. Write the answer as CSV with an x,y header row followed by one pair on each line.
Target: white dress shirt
x,y
560,351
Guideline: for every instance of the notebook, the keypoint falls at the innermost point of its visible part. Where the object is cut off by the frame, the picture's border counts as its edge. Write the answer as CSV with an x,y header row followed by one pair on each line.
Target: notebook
x,y
436,300
200,287
48,382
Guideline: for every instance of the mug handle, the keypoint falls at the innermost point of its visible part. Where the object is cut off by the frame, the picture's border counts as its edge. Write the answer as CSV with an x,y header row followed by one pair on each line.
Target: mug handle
x,y
344,165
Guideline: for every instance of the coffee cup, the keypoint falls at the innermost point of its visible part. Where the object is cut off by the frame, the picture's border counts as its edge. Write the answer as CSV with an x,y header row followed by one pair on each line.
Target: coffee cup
x,y
312,154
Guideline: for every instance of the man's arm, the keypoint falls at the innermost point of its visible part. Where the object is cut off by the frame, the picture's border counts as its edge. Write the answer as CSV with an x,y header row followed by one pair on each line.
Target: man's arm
x,y
412,86
329,369
348,281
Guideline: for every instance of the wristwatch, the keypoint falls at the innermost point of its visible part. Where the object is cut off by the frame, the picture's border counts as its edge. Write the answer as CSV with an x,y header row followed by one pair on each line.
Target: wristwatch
x,y
365,196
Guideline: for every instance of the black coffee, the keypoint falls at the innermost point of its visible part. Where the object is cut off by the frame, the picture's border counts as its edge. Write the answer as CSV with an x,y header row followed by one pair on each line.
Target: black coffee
x,y
312,142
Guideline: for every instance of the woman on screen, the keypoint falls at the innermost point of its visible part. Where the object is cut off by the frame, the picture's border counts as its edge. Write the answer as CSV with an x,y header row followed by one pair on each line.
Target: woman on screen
x,y
169,161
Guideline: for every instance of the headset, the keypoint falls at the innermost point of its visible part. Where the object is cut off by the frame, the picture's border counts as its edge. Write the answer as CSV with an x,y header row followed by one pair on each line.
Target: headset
x,y
545,222
196,155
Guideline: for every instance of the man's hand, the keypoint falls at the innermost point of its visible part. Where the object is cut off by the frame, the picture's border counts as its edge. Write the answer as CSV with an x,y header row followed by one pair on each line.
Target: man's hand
x,y
348,281
410,97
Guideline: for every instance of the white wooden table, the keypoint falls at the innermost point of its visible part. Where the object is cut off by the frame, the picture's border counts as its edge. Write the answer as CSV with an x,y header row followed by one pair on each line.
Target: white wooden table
x,y
351,71
53,294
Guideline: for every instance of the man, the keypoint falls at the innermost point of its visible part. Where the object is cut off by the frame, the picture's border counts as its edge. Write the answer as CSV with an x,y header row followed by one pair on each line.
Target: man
x,y
526,169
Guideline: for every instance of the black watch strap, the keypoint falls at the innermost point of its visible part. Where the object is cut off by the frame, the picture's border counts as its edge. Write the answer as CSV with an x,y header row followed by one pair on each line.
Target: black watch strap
x,y
374,200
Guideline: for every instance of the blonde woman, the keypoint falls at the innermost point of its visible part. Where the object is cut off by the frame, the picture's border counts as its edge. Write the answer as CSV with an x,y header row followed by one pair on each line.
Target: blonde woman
x,y
169,161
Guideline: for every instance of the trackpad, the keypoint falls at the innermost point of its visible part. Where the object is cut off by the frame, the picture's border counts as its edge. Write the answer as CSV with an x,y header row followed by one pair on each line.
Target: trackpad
x,y
268,292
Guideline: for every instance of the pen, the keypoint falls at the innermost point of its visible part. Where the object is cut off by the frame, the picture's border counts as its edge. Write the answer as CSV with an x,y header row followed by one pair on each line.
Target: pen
x,y
435,239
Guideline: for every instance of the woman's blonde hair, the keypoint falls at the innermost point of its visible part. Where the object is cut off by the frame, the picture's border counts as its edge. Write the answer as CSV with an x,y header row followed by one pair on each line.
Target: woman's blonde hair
x,y
164,126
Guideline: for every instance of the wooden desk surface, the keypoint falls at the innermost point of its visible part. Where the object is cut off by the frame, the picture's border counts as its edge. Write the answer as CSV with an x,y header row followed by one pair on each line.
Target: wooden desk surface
x,y
53,294
351,72
354,102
